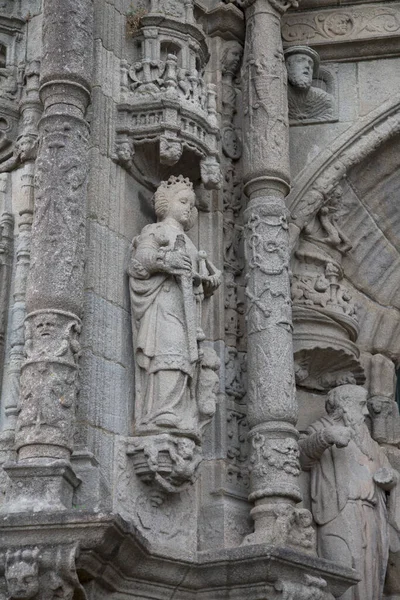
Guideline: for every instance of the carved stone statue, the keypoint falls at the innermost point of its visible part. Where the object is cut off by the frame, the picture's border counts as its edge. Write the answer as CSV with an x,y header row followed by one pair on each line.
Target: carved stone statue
x,y
176,378
305,100
350,475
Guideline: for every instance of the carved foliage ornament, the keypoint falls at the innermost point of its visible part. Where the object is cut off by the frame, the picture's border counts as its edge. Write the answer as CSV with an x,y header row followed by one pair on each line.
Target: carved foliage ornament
x,y
352,23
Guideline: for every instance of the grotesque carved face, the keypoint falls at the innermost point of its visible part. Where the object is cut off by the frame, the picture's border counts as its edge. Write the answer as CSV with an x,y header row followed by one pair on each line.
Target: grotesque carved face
x,y
45,325
180,207
22,580
186,448
300,70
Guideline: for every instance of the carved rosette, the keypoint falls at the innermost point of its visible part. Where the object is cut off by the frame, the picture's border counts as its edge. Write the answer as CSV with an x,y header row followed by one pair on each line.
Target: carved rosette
x,y
166,110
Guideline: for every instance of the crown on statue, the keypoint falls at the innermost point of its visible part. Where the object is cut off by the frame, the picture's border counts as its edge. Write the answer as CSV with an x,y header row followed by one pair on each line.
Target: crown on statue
x,y
176,181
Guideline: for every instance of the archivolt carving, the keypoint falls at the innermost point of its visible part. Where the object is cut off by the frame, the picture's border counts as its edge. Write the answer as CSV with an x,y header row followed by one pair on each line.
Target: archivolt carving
x,y
313,188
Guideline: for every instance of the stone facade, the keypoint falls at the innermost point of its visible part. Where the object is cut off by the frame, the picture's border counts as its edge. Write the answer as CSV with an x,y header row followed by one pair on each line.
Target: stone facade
x,y
199,314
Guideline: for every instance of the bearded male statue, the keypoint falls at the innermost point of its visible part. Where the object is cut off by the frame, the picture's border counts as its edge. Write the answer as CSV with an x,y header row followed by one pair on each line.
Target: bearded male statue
x,y
350,478
305,100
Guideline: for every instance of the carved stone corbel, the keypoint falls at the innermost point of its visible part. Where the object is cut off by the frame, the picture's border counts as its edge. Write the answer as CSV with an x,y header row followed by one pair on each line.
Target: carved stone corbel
x,y
40,573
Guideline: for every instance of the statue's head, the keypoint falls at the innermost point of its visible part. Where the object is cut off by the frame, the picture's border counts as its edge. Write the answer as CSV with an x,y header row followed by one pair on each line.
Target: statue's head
x,y
175,198
231,57
22,574
349,403
302,64
303,517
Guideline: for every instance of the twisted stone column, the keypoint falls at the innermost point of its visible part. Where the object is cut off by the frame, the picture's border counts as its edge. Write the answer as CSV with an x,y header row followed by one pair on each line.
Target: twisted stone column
x,y
54,298
272,408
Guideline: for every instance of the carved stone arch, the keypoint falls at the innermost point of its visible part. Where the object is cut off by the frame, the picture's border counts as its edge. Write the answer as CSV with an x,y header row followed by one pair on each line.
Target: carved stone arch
x,y
365,161
313,185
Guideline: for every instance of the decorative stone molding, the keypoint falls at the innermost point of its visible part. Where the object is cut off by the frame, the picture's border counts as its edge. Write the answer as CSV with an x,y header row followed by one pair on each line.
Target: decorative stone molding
x,y
12,57
114,557
344,32
165,103
30,110
315,186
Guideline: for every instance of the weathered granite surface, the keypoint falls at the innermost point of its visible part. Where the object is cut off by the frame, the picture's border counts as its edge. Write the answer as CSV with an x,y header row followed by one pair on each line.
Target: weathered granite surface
x,y
199,299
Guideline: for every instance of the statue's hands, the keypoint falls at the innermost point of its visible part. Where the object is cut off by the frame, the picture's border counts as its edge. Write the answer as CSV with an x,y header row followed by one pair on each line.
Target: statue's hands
x,y
385,478
177,263
212,282
337,435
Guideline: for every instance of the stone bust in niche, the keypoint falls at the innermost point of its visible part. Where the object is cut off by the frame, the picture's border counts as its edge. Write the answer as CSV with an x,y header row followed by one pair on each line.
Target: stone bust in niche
x,y
176,377
306,102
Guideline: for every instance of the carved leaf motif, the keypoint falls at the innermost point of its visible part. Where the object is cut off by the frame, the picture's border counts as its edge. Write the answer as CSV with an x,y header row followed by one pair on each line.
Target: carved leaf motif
x,y
355,23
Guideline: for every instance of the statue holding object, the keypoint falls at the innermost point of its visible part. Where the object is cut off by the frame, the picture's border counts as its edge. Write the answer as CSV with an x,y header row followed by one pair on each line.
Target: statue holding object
x,y
176,377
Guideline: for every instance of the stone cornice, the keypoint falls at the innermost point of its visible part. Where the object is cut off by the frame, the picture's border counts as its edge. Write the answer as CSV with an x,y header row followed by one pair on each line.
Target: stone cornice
x,y
114,553
341,33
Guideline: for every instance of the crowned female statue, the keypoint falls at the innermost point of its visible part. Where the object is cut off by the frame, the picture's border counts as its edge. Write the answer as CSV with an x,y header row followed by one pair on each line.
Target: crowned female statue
x,y
176,378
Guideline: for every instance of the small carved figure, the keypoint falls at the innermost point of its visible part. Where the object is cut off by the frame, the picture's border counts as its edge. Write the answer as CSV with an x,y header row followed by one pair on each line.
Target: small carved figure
x,y
302,533
208,384
22,573
211,174
350,475
230,62
305,100
168,278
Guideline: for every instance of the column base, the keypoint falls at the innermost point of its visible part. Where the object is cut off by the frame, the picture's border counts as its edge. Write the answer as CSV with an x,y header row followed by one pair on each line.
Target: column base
x,y
39,487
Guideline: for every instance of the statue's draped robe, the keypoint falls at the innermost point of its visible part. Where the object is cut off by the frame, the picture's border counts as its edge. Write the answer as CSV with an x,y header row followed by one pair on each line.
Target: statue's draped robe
x,y
350,510
164,368
313,104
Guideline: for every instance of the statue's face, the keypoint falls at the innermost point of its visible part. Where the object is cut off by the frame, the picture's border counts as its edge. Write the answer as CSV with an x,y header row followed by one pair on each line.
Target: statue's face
x,y
22,580
180,207
300,70
355,405
233,56
45,325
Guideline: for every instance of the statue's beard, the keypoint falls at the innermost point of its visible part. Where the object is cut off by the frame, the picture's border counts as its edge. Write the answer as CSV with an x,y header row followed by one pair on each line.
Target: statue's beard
x,y
360,435
299,81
